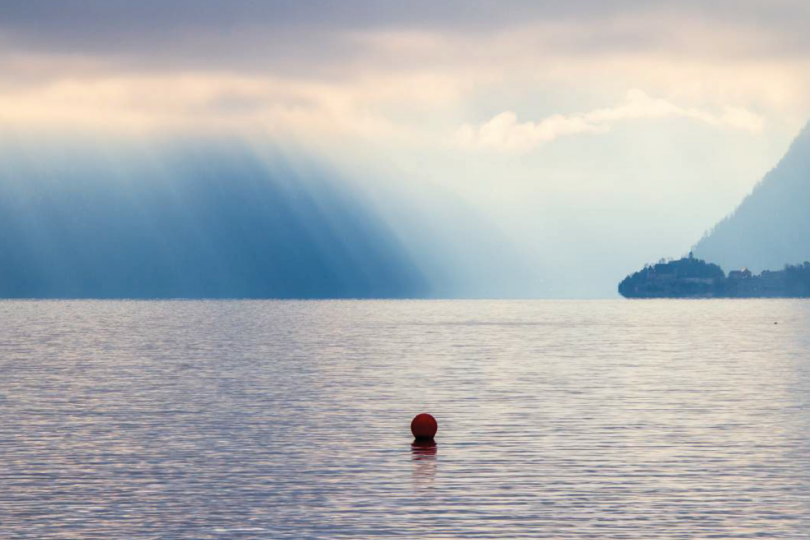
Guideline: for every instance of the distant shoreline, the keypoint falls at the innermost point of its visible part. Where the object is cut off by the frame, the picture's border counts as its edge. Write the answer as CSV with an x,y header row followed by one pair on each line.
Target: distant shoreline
x,y
694,278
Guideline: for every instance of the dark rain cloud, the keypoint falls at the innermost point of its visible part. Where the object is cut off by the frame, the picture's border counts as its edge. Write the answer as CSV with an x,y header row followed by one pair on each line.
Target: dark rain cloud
x,y
85,15
257,34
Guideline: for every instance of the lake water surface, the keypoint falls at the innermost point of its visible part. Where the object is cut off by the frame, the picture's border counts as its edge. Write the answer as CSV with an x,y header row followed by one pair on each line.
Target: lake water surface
x,y
265,420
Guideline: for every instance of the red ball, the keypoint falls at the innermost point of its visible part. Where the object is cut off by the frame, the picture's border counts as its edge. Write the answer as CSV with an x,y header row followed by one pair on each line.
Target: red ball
x,y
424,427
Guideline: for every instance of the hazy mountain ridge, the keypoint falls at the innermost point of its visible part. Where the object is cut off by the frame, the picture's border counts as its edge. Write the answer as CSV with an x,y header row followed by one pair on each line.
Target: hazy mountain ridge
x,y
222,218
771,227
205,220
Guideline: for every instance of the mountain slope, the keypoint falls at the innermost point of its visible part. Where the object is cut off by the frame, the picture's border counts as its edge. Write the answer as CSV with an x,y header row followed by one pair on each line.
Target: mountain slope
x,y
771,227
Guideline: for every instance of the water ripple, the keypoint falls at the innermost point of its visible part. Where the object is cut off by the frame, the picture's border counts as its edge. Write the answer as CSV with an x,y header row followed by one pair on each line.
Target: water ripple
x,y
254,420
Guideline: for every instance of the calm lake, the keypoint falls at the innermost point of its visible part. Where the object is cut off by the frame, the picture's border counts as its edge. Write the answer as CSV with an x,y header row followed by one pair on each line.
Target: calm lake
x,y
270,419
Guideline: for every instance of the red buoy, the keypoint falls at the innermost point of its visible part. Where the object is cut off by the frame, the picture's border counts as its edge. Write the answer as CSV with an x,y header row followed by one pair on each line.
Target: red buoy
x,y
424,427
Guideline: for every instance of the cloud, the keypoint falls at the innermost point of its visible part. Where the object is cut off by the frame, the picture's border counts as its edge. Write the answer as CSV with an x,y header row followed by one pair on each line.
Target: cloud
x,y
313,35
504,133
368,107
400,75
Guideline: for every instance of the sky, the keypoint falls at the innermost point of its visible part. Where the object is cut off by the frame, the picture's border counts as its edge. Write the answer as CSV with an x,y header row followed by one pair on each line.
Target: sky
x,y
590,136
